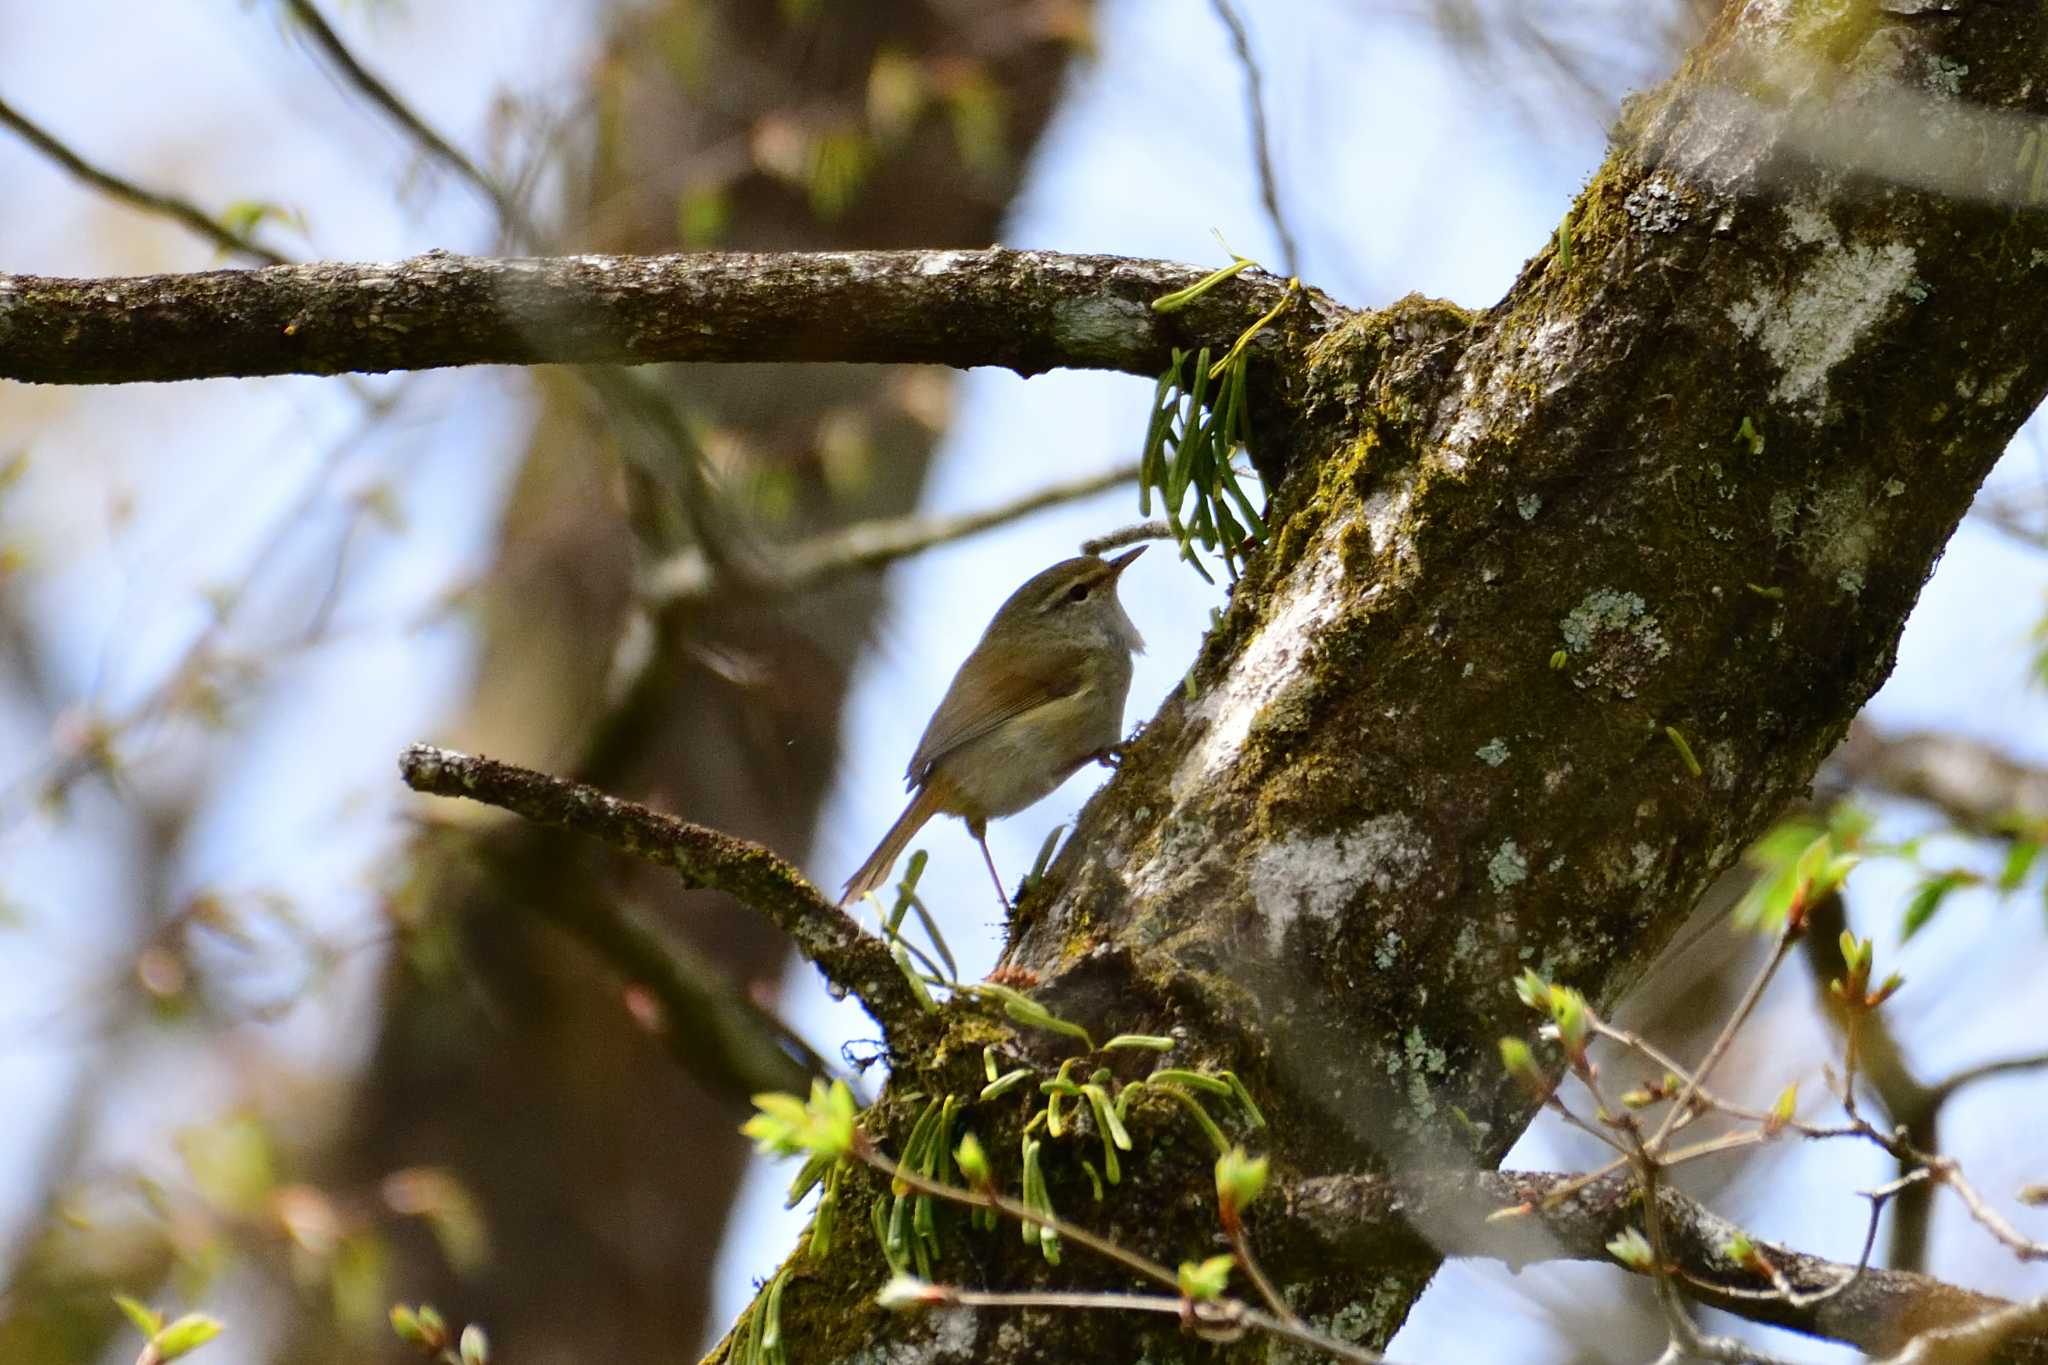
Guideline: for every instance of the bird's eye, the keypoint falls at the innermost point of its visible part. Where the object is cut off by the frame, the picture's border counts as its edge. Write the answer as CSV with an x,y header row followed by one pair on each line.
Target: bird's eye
x,y
1079,592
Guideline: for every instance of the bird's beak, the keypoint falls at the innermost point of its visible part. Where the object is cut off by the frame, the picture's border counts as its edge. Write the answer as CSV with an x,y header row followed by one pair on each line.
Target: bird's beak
x,y
1123,561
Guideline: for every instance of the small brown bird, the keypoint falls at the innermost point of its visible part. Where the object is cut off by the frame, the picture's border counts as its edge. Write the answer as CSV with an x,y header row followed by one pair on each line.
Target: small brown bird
x,y
1040,695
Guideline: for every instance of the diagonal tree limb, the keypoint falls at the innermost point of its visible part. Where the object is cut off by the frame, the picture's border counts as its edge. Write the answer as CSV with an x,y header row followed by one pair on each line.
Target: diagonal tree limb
x,y
181,211
1029,311
1369,1220
852,959
1976,786
712,1029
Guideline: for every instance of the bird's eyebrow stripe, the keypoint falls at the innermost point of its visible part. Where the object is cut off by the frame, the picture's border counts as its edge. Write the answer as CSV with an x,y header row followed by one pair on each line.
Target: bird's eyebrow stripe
x,y
1059,592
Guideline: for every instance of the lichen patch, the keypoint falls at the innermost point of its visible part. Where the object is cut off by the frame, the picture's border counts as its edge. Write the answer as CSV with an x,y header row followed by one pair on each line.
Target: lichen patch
x,y
1098,324
1815,321
1612,639
1840,532
1507,867
1306,601
1314,877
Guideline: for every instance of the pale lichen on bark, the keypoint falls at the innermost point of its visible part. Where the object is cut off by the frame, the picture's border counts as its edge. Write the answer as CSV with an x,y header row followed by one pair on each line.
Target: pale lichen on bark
x,y
1565,472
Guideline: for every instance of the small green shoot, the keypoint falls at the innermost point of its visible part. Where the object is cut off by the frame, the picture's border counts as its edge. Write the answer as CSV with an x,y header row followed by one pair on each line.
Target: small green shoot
x,y
1208,1280
1041,862
1685,754
1193,1080
1517,1059
1927,898
826,1219
1747,434
822,1127
1038,1201
1005,1083
1023,1009
1194,1108
1798,862
1244,1098
1200,420
1781,1110
1632,1249
1240,1180
1181,298
1149,1042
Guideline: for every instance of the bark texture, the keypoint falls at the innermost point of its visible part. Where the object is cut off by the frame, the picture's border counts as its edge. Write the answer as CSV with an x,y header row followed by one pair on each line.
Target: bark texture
x,y
1686,479
1027,310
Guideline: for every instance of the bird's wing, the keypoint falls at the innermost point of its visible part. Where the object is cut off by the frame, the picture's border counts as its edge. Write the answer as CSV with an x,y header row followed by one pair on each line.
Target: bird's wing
x,y
971,710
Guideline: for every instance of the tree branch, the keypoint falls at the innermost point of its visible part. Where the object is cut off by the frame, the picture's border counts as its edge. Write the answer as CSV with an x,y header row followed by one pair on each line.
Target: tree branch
x,y
1370,1219
385,98
1974,785
850,958
1262,143
868,545
181,211
1027,310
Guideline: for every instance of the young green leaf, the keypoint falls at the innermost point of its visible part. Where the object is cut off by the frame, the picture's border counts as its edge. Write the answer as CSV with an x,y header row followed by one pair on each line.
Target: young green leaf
x,y
1208,1280
146,1319
185,1336
1928,898
1240,1179
1632,1249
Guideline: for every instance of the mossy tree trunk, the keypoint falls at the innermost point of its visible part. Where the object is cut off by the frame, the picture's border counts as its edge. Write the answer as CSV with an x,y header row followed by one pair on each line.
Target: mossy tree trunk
x,y
1687,477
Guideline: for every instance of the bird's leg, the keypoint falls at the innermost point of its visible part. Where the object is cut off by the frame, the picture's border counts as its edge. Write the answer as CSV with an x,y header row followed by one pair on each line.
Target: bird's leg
x,y
979,829
1112,755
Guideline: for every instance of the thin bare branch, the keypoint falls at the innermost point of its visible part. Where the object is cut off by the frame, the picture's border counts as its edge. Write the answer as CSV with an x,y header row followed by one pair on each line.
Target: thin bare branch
x,y
1698,1078
1138,1264
1262,144
1950,1173
1241,1246
1226,1313
181,211
870,545
1984,1071
1127,535
1224,1319
418,129
1989,1337
853,960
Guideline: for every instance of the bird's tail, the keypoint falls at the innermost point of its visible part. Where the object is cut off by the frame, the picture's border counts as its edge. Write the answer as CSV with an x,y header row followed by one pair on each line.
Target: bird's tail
x,y
875,870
